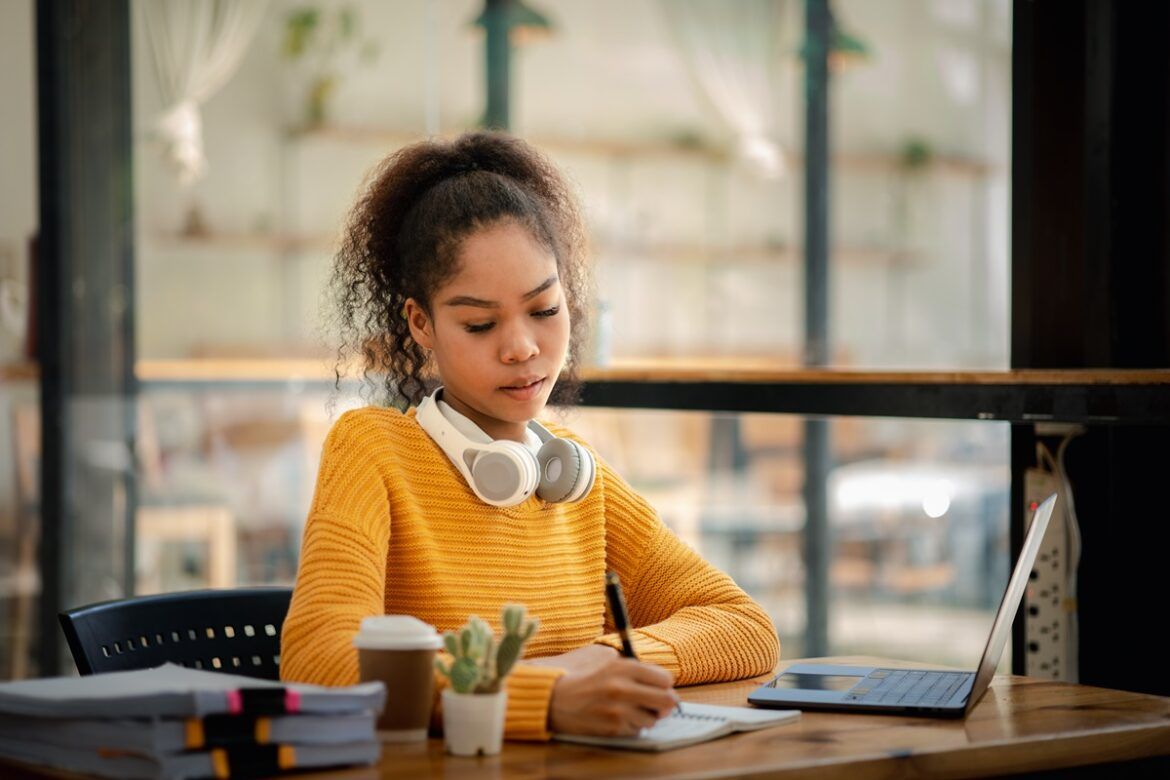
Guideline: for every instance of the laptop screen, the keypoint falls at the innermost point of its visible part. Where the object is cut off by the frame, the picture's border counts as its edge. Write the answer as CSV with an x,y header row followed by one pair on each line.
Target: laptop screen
x,y
1001,629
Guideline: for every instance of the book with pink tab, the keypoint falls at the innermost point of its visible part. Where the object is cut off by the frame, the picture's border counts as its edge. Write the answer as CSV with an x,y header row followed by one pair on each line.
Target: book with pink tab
x,y
176,691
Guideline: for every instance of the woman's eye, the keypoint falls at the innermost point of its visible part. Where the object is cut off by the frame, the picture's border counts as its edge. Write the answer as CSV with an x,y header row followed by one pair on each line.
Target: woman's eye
x,y
486,326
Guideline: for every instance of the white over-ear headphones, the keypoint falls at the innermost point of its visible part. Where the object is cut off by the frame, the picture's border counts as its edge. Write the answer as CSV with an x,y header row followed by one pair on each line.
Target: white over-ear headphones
x,y
506,473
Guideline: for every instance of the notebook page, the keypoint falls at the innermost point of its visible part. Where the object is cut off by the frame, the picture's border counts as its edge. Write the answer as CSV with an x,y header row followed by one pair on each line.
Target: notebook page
x,y
689,725
741,717
696,723
672,731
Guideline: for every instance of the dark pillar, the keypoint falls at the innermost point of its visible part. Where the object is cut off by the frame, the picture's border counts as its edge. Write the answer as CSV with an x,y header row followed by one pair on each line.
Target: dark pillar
x,y
85,306
817,544
1091,289
498,54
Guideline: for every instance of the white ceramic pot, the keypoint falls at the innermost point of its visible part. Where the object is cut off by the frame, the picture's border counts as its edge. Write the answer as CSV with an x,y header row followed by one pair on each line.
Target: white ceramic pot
x,y
473,723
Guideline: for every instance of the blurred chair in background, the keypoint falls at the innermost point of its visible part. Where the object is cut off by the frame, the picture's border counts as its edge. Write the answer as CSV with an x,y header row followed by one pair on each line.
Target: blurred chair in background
x,y
235,631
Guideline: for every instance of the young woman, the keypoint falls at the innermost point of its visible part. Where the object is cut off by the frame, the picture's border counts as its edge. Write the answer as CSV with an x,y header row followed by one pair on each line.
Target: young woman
x,y
464,261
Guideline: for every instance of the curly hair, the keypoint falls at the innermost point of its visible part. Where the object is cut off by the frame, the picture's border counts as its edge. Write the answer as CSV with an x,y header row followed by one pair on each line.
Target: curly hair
x,y
402,241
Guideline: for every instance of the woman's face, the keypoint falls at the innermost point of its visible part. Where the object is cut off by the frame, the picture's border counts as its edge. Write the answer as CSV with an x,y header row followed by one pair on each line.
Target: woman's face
x,y
498,329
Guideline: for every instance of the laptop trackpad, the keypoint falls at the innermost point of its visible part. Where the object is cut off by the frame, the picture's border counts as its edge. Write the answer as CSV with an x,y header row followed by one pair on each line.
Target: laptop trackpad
x,y
810,684
816,682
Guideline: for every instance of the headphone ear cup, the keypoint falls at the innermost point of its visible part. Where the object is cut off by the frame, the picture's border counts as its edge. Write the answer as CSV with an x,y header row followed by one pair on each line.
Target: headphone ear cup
x,y
504,474
587,475
527,462
566,470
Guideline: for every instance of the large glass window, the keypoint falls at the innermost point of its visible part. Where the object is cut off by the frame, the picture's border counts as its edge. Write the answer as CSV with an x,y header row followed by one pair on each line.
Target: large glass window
x,y
918,510
681,126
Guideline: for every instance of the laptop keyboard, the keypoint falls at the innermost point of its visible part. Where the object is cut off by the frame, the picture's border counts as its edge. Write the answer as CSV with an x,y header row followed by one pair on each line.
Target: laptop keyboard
x,y
901,686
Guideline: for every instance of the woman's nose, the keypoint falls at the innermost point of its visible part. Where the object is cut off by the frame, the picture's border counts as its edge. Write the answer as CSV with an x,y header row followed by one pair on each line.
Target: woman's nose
x,y
519,345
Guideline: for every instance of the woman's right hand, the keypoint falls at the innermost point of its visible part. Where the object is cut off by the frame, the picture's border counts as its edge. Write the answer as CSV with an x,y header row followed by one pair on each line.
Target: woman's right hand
x,y
616,698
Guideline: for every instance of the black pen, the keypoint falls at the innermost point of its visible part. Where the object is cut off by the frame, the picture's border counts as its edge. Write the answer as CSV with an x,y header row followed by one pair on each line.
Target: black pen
x,y
621,620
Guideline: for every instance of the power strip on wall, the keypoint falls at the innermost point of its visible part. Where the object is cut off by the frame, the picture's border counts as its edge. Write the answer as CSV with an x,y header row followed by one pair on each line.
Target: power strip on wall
x,y
1047,626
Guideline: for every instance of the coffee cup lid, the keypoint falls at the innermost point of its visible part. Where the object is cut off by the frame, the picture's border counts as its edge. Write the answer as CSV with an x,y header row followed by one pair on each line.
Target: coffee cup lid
x,y
396,632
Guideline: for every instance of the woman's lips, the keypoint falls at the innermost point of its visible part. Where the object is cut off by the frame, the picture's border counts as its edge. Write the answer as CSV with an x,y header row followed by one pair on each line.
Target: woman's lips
x,y
525,393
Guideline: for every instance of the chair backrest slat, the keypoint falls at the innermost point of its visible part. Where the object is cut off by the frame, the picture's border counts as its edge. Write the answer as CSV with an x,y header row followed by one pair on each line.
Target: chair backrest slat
x,y
236,631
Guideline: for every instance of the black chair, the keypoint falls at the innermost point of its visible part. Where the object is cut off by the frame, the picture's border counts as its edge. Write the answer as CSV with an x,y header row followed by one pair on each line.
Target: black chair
x,y
235,631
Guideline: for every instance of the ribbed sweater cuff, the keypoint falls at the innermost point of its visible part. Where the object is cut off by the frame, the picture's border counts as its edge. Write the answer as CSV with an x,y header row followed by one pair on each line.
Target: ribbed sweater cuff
x,y
529,692
649,649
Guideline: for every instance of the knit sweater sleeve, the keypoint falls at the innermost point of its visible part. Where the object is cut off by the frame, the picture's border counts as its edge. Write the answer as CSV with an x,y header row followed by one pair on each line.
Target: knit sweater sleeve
x,y
689,617
342,571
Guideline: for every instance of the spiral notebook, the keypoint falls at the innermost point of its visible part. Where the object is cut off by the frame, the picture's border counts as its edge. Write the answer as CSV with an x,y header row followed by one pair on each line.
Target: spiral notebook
x,y
696,723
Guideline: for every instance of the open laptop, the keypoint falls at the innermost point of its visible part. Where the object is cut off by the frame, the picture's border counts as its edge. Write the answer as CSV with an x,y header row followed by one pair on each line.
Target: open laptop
x,y
925,692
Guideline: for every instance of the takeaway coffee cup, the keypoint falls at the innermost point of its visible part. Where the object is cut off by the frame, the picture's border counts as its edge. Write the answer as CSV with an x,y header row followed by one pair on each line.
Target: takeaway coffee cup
x,y
399,650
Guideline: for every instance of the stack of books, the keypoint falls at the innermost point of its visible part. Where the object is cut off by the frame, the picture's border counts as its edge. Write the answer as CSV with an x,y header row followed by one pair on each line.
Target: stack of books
x,y
175,723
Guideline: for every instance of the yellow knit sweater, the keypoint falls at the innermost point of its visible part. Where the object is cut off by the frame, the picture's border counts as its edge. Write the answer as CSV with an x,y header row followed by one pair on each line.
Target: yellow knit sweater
x,y
394,529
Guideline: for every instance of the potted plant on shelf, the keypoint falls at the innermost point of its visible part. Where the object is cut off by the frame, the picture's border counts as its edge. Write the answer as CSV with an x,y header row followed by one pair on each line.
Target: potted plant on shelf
x,y
913,159
318,39
474,703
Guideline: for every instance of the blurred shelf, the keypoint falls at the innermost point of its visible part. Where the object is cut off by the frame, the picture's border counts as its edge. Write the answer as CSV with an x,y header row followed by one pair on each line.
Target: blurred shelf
x,y
731,368
1104,396
753,254
752,369
883,162
392,139
1093,396
18,372
265,242
683,148
232,373
235,370
695,254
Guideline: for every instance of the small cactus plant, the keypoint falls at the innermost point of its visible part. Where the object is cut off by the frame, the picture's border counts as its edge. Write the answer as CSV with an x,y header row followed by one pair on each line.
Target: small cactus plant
x,y
478,664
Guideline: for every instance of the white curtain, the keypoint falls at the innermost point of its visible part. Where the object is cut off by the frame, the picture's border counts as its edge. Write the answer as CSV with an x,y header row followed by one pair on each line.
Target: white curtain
x,y
734,53
195,46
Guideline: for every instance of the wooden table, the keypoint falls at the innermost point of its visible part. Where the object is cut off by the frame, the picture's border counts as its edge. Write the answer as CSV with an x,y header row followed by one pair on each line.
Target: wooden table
x,y
1021,725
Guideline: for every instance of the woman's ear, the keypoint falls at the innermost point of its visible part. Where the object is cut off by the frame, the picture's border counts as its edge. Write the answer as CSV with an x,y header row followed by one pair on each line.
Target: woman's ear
x,y
421,327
